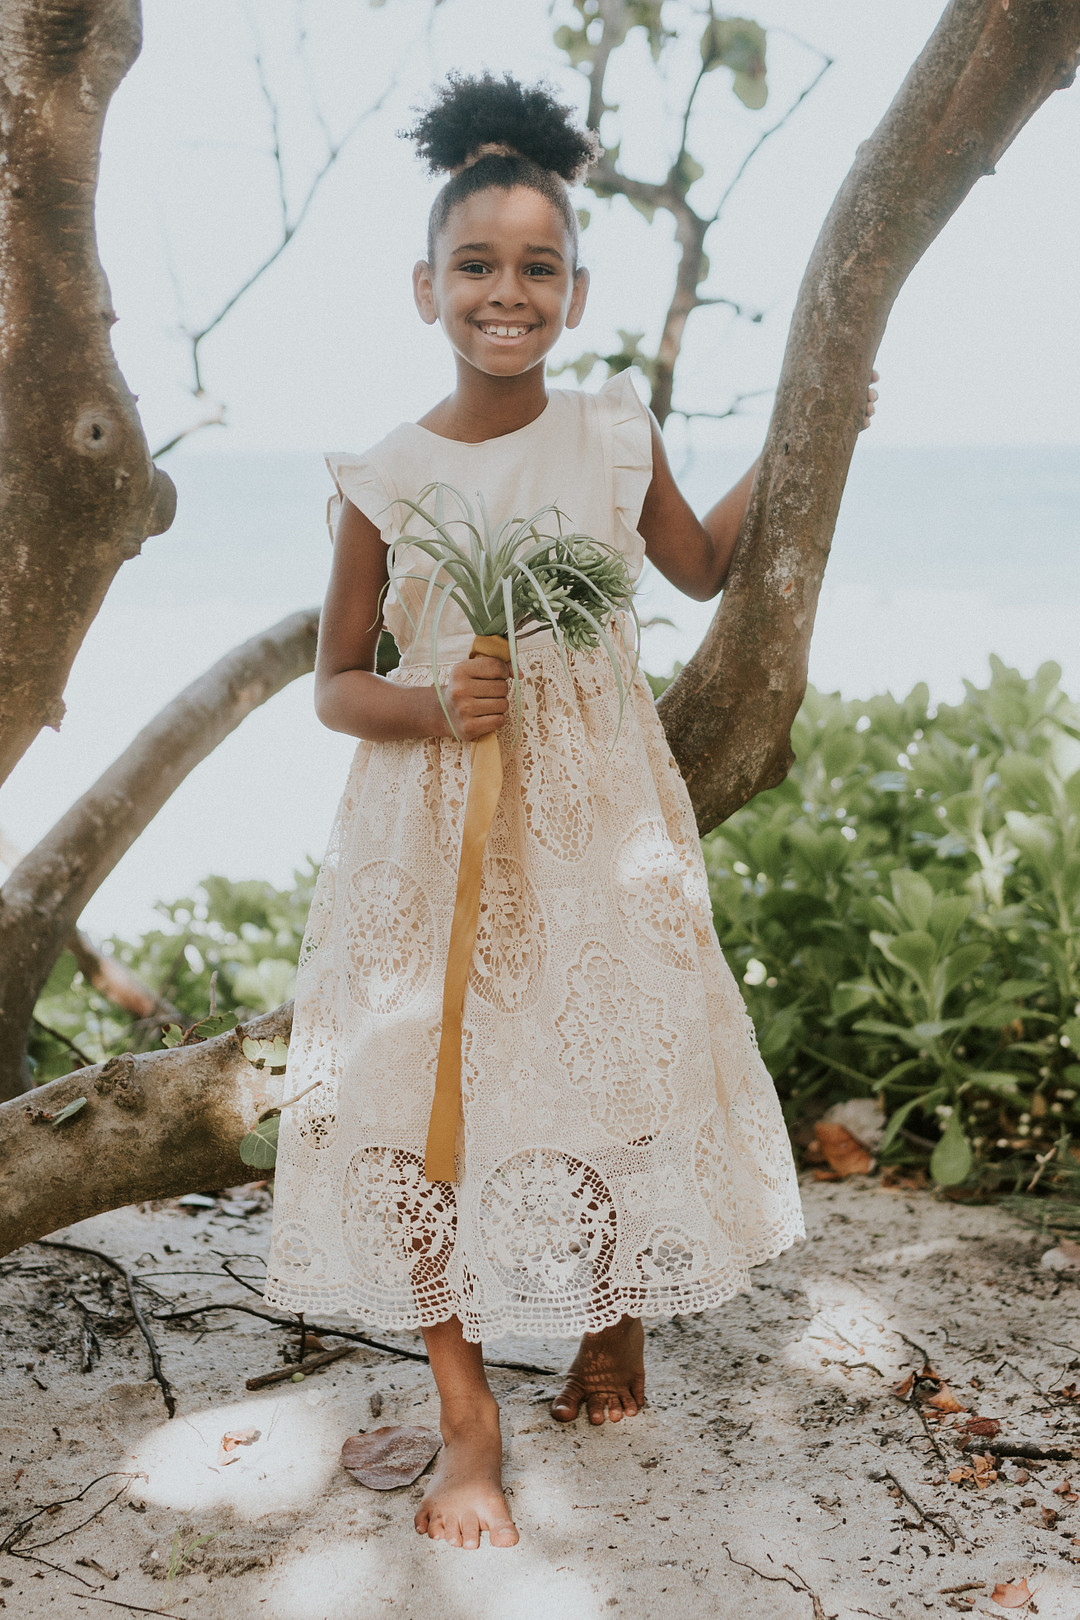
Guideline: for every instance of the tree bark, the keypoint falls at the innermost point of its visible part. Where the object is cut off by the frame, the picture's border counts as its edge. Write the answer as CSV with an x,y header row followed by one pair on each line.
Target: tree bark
x,y
78,491
986,68
42,898
154,1126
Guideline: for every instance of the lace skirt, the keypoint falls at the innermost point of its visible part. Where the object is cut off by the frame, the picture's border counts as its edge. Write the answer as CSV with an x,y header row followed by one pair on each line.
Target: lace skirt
x,y
622,1148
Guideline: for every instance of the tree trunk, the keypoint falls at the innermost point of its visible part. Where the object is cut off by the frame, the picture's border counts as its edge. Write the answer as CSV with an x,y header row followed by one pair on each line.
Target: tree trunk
x,y
987,67
78,492
154,1126
42,898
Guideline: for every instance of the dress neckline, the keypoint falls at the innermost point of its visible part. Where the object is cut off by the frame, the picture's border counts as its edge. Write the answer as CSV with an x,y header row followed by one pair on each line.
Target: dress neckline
x,y
498,438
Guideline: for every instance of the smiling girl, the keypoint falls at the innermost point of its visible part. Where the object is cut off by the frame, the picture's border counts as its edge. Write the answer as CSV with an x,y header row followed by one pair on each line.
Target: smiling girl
x,y
622,1152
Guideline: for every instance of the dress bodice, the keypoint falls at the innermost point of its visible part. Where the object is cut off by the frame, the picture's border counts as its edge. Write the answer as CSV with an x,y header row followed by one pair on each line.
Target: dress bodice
x,y
590,455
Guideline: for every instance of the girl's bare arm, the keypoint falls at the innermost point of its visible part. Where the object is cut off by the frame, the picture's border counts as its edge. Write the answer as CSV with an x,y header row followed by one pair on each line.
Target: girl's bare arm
x,y
349,696
695,553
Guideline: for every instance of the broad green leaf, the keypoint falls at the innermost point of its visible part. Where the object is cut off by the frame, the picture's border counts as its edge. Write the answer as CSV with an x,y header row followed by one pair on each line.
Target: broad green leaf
x,y
962,963
928,1100
846,998
264,1054
915,952
999,1081
914,897
259,1147
947,916
172,1035
951,1160
70,1108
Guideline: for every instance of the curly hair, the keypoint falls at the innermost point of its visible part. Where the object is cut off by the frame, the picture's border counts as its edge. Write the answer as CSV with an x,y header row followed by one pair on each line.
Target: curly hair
x,y
538,144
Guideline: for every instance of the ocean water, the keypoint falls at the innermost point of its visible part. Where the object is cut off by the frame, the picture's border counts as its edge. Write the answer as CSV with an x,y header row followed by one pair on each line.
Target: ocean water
x,y
941,557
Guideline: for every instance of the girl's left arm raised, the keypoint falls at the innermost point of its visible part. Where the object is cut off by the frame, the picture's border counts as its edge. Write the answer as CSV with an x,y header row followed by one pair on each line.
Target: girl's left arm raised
x,y
695,553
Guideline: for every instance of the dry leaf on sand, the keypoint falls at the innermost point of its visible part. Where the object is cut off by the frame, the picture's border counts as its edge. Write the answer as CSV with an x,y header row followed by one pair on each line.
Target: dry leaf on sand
x,y
945,1401
1015,1595
843,1152
384,1459
988,1428
229,1449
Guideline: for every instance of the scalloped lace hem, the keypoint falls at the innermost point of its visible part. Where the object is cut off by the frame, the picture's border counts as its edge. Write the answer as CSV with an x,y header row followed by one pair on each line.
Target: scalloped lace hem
x,y
545,1319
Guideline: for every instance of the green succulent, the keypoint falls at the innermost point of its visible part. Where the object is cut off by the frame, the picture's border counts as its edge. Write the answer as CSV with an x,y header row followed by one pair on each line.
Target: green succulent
x,y
517,579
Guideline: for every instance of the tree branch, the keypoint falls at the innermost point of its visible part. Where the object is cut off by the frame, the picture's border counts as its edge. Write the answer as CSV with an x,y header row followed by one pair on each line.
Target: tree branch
x,y
78,492
155,1125
983,73
42,898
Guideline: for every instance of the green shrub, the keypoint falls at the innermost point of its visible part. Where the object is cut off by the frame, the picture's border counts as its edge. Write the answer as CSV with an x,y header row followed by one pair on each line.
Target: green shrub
x,y
248,932
904,914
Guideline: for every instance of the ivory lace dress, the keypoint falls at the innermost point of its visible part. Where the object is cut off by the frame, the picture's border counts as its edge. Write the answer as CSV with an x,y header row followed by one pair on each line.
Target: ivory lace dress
x,y
622,1148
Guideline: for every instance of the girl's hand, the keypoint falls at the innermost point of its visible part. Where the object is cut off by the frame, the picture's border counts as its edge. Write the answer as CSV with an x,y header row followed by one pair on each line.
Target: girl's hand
x,y
476,695
871,395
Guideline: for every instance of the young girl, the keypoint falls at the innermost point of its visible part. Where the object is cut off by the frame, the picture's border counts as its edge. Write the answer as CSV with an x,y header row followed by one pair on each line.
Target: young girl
x,y
622,1152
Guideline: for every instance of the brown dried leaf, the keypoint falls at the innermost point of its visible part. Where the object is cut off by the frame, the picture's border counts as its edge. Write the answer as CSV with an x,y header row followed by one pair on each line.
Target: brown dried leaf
x,y
1049,1517
985,1472
989,1428
945,1401
229,1449
957,1476
1069,1392
1014,1595
903,1180
1063,1489
905,1386
384,1459
843,1152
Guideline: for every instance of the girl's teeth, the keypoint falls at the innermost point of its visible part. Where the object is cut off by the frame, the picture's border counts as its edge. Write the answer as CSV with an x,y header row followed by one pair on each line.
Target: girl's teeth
x,y
506,331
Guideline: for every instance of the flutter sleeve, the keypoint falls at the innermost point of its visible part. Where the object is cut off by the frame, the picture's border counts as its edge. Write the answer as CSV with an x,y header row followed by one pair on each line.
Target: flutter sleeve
x,y
358,478
628,437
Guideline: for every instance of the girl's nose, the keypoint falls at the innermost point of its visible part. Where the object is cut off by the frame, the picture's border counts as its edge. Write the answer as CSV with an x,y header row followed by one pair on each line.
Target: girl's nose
x,y
507,291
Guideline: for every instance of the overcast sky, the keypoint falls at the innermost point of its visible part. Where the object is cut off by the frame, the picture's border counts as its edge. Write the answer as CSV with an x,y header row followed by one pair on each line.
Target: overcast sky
x,y
982,346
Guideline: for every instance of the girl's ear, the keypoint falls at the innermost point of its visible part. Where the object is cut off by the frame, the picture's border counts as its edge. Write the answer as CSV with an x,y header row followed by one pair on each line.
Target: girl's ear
x,y
424,292
578,297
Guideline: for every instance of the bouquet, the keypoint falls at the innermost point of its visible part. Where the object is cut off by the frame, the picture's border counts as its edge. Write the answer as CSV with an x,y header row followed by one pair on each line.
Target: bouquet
x,y
510,583
516,577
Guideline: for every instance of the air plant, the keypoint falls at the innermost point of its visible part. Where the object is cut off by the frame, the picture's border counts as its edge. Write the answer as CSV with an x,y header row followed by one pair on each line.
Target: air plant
x,y
518,579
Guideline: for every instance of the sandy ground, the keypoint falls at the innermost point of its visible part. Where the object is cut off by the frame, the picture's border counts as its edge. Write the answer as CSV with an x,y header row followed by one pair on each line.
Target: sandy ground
x,y
763,1479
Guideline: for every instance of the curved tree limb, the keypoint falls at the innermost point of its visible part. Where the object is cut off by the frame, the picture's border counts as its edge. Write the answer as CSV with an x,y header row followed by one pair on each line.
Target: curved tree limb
x,y
985,70
78,491
154,1126
42,898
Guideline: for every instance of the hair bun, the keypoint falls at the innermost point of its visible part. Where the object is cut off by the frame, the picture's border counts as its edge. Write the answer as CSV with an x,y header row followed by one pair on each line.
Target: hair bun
x,y
469,113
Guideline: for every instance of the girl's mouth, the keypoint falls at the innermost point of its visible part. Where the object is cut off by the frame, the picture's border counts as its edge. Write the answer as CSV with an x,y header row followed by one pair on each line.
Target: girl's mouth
x,y
504,331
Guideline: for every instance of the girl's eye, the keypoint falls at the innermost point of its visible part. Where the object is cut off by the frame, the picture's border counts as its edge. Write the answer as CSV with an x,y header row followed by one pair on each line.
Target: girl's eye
x,y
540,269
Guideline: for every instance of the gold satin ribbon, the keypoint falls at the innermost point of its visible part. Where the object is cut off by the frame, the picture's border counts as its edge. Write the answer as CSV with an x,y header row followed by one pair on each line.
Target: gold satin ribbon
x,y
485,785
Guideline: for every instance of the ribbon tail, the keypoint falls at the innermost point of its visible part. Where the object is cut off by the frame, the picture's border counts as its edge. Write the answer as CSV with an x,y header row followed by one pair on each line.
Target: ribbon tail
x,y
485,785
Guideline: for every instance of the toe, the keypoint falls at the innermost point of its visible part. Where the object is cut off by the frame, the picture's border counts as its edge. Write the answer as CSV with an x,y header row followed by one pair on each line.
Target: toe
x,y
420,1519
615,1408
470,1530
629,1404
597,1408
503,1534
565,1407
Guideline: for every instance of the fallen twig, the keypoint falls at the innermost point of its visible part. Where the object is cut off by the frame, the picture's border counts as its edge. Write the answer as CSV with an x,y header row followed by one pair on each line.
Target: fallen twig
x,y
338,1333
761,1572
280,1374
136,1608
1032,1450
136,1310
90,1344
11,1542
927,1517
928,1431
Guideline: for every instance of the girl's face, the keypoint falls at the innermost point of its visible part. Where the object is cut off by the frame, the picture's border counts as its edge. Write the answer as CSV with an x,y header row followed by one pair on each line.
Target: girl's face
x,y
503,285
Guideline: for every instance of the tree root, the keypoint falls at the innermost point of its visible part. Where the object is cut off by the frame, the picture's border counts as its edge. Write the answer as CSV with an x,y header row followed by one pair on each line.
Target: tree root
x,y
136,1310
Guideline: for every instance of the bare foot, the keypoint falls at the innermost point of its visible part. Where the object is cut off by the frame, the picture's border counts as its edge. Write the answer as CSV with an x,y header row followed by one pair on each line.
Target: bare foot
x,y
465,1496
608,1374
